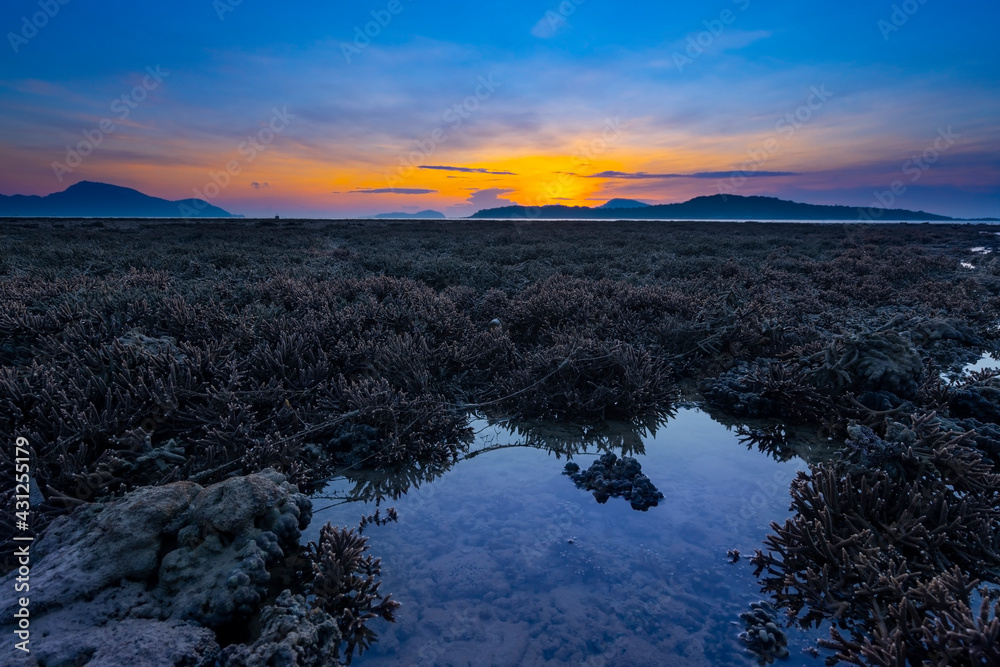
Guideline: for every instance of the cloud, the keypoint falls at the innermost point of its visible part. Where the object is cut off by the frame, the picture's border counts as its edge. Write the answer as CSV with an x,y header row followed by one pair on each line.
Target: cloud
x,y
469,170
393,191
259,186
642,175
549,25
728,40
738,39
490,198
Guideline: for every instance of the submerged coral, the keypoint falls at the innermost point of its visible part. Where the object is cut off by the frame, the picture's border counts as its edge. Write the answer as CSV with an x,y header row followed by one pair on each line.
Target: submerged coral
x,y
762,636
610,476
344,585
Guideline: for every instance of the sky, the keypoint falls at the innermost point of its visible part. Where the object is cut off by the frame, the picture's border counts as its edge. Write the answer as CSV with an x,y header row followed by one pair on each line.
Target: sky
x,y
346,109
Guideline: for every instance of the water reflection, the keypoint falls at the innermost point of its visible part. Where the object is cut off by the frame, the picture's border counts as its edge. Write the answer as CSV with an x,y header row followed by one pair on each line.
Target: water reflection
x,y
501,561
376,486
986,361
567,440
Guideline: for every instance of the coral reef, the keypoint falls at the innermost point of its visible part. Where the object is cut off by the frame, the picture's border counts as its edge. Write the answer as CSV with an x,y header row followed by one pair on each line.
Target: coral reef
x,y
767,388
977,397
293,633
762,636
138,355
867,549
610,476
949,632
878,361
870,450
344,586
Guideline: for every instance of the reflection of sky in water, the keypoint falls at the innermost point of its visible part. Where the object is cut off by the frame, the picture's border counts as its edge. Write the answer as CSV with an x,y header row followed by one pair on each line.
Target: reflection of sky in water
x,y
988,360
482,561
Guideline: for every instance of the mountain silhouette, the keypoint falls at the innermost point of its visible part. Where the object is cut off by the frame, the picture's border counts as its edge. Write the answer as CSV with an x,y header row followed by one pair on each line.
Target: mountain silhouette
x,y
88,199
623,203
424,215
713,207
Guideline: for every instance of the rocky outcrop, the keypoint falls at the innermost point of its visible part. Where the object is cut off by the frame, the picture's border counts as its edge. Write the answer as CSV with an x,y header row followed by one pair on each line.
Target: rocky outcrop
x,y
147,578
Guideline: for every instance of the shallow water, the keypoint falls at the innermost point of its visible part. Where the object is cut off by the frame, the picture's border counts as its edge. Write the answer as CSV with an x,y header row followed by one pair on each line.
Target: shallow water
x,y
988,360
503,561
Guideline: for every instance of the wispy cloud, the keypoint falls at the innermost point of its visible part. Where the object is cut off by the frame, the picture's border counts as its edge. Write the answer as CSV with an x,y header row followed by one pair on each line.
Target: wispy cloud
x,y
642,175
469,170
393,191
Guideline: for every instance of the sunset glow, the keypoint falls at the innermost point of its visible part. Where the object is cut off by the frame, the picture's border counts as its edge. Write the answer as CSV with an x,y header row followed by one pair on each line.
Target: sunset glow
x,y
526,103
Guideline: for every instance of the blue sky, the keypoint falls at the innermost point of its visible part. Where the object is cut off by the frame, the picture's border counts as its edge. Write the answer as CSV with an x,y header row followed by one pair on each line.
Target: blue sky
x,y
529,102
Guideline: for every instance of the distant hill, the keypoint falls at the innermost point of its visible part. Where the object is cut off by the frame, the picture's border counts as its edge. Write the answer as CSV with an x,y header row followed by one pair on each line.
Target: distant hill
x,y
428,214
623,203
87,199
713,207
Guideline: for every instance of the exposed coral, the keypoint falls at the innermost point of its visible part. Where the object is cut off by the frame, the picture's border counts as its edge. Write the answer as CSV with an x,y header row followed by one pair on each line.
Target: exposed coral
x,y
877,361
863,547
767,388
977,397
293,633
870,450
610,476
949,631
145,354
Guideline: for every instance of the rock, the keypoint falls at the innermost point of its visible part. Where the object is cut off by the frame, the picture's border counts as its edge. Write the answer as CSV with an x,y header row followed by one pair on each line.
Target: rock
x,y
145,578
126,642
293,634
99,545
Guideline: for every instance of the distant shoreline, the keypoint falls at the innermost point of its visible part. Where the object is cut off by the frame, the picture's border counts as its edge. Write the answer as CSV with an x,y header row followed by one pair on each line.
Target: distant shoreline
x,y
430,221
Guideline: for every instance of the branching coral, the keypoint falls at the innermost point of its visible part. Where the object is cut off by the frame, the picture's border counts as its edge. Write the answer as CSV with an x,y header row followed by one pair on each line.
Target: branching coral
x,y
865,548
344,585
